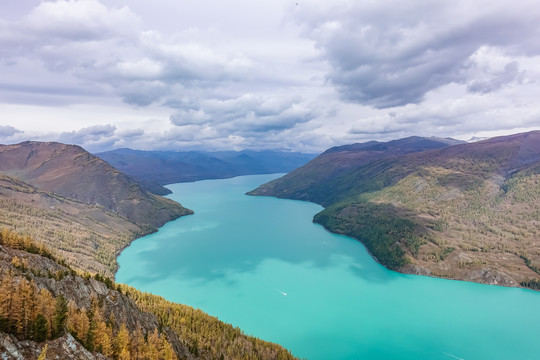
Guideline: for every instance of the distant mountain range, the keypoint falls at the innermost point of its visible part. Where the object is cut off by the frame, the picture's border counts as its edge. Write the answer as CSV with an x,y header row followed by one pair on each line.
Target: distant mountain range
x,y
63,195
167,167
322,179
430,206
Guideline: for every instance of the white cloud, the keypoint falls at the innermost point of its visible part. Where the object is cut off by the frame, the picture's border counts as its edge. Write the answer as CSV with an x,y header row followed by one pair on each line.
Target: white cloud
x,y
86,20
95,133
174,75
392,53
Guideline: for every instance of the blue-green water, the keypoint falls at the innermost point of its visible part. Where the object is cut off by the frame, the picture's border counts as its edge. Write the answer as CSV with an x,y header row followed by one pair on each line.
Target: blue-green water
x,y
239,255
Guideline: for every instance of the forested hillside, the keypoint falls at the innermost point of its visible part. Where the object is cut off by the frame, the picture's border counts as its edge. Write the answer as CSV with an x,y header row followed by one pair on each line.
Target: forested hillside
x,y
76,203
467,212
66,314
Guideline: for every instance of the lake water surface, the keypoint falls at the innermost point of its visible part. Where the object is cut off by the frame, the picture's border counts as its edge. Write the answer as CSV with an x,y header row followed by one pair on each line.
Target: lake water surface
x,y
262,265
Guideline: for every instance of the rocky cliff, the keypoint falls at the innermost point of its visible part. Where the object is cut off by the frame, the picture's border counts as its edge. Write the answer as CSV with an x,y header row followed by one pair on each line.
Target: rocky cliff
x,y
26,276
78,316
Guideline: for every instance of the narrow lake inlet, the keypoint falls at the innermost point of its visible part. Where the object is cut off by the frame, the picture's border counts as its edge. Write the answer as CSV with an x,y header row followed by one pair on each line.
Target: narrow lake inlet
x,y
261,264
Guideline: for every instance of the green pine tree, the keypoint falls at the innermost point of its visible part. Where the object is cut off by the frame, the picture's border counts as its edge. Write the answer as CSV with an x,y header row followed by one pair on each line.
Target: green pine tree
x,y
40,328
60,315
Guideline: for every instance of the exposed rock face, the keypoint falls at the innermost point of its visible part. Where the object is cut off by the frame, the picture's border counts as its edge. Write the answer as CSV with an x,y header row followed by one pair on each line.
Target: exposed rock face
x,y
416,270
482,275
116,307
65,347
491,277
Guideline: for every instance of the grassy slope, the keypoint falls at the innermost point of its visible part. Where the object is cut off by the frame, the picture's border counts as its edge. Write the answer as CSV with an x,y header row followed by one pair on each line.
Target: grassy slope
x,y
88,237
326,178
72,172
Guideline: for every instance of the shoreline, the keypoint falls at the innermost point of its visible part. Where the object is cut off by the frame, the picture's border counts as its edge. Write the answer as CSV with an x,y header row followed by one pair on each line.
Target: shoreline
x,y
118,252
489,276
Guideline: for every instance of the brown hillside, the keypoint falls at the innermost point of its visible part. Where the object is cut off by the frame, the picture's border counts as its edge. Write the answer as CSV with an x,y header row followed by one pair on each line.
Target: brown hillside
x,y
315,180
468,211
76,203
89,237
72,172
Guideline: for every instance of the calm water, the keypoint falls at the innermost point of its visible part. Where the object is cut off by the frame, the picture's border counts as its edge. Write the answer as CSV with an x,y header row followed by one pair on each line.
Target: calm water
x,y
261,264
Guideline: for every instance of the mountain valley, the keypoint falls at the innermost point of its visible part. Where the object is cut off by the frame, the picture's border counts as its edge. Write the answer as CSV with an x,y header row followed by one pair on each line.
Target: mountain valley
x,y
65,216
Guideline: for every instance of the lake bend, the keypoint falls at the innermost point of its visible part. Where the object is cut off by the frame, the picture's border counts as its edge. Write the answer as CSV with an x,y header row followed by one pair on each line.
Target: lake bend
x,y
261,264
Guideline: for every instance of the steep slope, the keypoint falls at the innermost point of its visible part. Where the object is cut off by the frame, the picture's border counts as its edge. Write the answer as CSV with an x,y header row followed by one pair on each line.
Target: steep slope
x,y
167,167
315,181
88,237
81,317
465,212
70,171
76,203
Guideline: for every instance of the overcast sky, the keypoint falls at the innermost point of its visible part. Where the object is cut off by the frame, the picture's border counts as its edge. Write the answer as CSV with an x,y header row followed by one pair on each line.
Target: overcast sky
x,y
299,75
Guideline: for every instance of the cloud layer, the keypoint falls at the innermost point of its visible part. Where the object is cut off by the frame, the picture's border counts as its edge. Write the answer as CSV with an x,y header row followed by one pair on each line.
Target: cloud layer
x,y
279,74
392,53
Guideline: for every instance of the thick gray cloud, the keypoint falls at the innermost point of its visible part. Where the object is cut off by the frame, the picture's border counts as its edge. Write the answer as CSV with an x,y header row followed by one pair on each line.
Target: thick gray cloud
x,y
391,53
8,131
131,133
107,49
95,133
248,114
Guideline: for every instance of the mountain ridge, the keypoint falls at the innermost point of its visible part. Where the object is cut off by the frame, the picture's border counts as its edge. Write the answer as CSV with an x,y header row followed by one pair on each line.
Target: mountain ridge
x,y
466,211
74,201
310,181
167,167
71,171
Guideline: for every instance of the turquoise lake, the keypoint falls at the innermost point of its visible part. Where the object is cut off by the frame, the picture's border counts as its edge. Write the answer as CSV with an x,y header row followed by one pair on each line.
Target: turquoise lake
x,y
260,263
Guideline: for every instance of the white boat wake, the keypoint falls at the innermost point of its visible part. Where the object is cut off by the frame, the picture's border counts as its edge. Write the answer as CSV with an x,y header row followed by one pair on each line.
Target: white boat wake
x,y
455,357
283,293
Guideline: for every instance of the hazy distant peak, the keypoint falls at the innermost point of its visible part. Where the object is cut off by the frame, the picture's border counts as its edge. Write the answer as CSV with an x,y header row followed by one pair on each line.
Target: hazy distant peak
x,y
167,167
413,143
